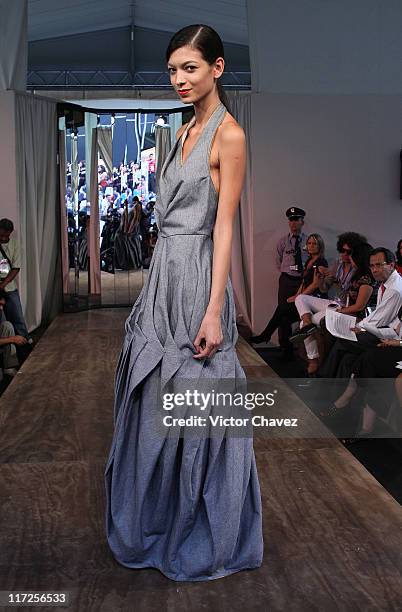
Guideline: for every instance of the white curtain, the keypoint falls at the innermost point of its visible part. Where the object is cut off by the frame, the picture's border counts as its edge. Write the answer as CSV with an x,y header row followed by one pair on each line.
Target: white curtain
x,y
13,44
106,146
242,251
36,144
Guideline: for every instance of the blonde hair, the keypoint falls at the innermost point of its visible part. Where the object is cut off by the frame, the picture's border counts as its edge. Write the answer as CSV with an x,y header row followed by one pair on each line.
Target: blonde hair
x,y
319,240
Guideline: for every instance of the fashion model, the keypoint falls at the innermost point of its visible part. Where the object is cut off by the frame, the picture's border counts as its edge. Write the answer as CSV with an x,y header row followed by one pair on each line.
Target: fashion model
x,y
188,506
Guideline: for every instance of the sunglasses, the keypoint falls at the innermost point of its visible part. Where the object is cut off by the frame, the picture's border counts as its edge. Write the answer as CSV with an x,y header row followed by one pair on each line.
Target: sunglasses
x,y
346,251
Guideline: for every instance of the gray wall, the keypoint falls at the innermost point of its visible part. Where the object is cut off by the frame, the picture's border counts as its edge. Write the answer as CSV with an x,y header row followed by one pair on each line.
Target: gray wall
x,y
327,125
326,46
335,156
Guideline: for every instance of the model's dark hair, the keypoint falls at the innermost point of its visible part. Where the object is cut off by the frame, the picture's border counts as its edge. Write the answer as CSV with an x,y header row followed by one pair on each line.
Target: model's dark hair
x,y
388,255
207,41
361,259
351,238
6,225
398,253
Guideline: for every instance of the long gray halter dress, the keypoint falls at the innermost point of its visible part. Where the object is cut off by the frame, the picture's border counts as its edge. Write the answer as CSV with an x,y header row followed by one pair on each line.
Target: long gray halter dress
x,y
190,507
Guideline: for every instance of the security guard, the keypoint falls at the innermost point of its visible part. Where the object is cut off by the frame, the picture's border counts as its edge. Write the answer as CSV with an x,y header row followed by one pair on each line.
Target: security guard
x,y
290,258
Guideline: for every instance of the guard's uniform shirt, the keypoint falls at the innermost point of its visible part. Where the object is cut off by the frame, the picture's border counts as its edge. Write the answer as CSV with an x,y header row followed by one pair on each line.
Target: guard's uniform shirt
x,y
286,254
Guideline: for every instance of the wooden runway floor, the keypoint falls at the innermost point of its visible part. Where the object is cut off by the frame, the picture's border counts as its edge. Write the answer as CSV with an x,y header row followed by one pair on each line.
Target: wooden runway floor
x,y
333,535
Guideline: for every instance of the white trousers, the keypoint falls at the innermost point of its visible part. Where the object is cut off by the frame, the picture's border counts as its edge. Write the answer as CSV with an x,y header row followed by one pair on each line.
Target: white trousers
x,y
316,307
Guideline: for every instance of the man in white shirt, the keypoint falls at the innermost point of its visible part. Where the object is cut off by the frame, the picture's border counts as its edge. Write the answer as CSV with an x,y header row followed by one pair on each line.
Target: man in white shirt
x,y
9,269
389,298
377,325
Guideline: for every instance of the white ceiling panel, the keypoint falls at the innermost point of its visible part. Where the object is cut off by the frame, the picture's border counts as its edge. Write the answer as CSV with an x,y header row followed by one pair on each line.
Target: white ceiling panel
x,y
55,18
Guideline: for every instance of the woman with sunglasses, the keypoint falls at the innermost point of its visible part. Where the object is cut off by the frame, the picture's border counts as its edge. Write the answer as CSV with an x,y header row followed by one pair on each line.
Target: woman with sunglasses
x,y
350,299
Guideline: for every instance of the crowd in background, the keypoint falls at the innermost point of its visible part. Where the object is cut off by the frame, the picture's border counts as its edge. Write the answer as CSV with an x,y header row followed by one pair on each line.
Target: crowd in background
x,y
126,204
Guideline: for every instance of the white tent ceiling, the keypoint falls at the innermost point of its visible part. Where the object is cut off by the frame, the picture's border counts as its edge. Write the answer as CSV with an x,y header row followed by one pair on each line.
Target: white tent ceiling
x,y
55,18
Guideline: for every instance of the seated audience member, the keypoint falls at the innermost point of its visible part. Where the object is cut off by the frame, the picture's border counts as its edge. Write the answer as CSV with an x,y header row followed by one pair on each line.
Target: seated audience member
x,y
398,254
378,324
381,361
355,300
9,269
286,314
340,273
8,343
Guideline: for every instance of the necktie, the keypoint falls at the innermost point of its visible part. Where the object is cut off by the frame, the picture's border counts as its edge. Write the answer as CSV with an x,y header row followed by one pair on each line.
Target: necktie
x,y
298,254
382,289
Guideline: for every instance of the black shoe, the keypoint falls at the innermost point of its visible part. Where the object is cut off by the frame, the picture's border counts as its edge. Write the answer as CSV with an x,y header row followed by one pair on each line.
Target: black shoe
x,y
303,333
259,339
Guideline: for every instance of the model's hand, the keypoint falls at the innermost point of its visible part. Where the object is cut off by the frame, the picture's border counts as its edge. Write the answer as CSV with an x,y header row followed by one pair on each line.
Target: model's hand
x,y
19,340
209,337
357,330
385,343
291,299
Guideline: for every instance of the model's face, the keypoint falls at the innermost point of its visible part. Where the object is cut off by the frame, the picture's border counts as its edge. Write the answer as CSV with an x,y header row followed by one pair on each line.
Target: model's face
x,y
191,76
313,247
380,269
345,253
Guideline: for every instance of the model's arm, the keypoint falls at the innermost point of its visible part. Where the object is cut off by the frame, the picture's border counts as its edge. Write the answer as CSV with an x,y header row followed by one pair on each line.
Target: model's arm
x,y
232,164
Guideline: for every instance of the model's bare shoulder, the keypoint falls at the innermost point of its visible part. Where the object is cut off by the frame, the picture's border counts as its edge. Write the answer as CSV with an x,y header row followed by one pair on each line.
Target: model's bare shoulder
x,y
231,133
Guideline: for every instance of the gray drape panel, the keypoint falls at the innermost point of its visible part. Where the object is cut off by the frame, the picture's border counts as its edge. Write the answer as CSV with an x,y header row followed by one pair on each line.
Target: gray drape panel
x,y
105,147
63,211
242,251
36,144
163,144
13,44
93,219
